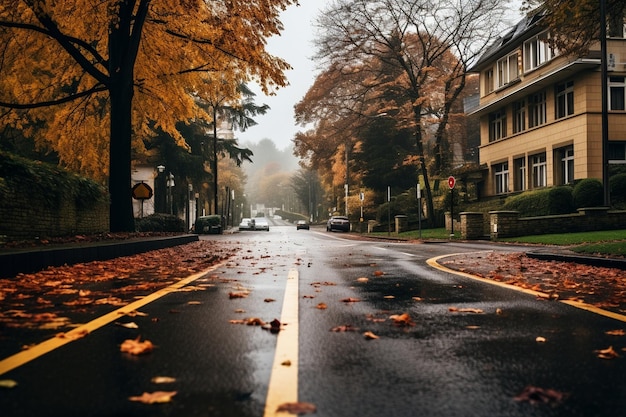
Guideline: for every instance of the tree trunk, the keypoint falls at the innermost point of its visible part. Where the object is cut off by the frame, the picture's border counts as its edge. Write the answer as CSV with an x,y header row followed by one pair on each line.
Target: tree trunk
x,y
123,45
422,166
121,209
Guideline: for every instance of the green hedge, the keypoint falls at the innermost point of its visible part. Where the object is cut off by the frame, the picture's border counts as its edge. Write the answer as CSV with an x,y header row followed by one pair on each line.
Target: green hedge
x,y
543,202
50,182
160,222
617,185
588,193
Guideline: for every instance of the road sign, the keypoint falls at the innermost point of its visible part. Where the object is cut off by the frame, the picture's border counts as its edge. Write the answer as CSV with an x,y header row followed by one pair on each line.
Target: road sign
x,y
451,182
142,191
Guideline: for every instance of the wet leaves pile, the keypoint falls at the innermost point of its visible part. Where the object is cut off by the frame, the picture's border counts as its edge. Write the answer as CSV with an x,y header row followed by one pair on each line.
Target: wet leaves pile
x,y
598,286
51,299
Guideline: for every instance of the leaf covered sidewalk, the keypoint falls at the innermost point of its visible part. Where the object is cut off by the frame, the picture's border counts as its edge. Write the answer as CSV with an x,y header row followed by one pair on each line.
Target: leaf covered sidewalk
x,y
58,298
598,286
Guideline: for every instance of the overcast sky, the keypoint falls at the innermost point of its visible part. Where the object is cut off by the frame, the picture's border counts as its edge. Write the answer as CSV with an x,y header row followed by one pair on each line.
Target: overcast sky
x,y
296,47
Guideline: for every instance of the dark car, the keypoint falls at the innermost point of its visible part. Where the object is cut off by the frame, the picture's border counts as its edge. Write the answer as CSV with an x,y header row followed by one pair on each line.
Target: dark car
x,y
302,224
208,224
341,223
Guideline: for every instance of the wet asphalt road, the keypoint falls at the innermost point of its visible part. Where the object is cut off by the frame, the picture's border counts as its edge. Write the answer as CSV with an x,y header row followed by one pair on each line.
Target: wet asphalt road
x,y
448,363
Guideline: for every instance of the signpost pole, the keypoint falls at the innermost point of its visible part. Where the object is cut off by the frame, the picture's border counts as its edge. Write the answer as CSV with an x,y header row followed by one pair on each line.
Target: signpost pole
x,y
451,183
419,210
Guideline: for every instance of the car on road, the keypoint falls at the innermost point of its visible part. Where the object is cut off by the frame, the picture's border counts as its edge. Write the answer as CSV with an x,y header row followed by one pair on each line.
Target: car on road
x,y
302,224
341,223
260,223
208,224
246,224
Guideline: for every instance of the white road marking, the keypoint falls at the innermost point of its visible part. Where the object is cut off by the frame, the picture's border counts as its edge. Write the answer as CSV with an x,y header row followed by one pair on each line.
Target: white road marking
x,y
283,385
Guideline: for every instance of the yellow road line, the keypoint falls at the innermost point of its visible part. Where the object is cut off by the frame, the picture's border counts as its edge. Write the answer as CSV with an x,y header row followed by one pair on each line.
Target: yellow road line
x,y
49,345
283,385
583,306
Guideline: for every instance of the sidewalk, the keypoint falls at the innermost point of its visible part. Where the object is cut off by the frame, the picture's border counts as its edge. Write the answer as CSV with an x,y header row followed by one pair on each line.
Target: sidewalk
x,y
33,259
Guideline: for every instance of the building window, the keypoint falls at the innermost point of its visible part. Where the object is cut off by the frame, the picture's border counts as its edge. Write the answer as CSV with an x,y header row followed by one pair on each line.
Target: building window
x,y
508,69
519,165
497,125
565,175
540,170
616,26
519,116
537,51
501,172
489,81
564,99
617,152
617,93
537,109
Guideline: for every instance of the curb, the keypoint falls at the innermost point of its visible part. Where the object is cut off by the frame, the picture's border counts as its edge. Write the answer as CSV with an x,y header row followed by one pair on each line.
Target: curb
x,y
585,260
13,263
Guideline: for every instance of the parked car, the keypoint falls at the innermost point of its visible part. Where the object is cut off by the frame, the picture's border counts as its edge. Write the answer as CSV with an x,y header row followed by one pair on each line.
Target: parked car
x,y
208,224
341,223
302,224
246,224
261,224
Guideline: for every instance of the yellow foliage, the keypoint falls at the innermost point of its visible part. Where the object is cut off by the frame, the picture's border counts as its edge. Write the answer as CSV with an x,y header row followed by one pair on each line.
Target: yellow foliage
x,y
188,50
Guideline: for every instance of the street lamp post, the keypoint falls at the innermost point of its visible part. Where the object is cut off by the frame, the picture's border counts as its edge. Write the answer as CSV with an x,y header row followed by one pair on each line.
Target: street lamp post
x,y
160,195
170,184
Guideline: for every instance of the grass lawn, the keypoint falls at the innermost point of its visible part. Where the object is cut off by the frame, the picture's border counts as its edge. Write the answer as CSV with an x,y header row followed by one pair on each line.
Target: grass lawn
x,y
608,242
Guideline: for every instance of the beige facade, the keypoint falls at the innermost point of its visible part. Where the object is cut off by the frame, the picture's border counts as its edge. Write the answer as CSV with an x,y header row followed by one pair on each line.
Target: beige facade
x,y
540,112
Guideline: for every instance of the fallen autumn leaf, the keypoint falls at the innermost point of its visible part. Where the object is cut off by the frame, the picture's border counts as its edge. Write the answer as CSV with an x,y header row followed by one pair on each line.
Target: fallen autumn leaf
x,y
536,395
297,408
608,353
154,397
135,347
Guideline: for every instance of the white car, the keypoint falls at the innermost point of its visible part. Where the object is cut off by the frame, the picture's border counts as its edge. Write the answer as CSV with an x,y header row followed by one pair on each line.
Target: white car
x,y
260,223
246,224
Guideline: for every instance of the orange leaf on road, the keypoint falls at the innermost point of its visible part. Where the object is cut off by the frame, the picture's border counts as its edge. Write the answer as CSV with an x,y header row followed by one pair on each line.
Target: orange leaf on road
x,y
154,397
402,319
297,408
608,353
135,347
370,336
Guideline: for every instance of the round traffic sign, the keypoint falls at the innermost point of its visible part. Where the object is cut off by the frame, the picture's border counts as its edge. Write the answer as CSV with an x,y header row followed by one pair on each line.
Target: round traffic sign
x,y
451,182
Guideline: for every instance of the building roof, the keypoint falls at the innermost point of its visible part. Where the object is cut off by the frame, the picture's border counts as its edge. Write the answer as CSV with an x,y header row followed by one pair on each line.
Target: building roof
x,y
524,29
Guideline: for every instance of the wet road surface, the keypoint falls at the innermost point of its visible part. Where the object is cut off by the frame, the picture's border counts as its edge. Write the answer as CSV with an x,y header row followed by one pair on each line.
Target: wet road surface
x,y
465,348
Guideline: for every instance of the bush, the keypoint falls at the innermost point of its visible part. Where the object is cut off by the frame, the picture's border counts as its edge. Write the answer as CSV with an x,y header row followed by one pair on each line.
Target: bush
x,y
588,193
530,203
160,222
560,200
617,185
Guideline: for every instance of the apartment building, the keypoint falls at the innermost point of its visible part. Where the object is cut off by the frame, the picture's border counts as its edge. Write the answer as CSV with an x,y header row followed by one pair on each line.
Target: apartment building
x,y
540,111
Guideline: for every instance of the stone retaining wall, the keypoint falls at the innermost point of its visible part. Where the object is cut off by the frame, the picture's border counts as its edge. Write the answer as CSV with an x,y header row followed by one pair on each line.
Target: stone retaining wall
x,y
27,216
510,224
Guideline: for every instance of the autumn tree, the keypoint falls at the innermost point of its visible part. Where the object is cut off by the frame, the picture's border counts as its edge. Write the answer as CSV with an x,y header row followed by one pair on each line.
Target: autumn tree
x,y
236,117
402,49
307,188
576,24
98,77
334,111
